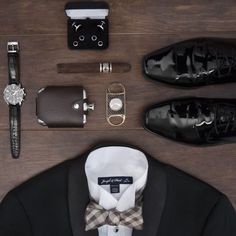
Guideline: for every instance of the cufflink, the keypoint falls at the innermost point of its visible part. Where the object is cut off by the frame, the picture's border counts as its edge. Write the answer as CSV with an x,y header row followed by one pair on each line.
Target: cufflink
x,y
81,38
100,43
94,38
75,26
101,26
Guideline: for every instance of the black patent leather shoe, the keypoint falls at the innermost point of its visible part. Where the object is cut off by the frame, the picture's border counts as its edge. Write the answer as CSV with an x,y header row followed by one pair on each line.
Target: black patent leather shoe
x,y
194,62
194,120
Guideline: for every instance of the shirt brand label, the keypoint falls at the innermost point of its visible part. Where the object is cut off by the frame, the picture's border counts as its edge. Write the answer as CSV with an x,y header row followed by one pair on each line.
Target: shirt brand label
x,y
115,188
115,180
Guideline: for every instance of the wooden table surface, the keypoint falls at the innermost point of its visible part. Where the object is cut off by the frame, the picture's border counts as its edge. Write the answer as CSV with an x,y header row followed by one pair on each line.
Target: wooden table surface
x,y
136,28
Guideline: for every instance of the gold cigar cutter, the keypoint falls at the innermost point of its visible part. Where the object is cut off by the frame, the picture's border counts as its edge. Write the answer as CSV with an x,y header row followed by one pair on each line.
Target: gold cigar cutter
x,y
115,104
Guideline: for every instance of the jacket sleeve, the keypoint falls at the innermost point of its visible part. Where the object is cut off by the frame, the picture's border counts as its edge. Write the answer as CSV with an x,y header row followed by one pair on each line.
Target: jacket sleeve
x,y
221,220
13,219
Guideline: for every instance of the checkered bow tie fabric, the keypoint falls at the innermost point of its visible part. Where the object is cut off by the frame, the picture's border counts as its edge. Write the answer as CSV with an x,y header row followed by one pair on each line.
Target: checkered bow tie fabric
x,y
96,216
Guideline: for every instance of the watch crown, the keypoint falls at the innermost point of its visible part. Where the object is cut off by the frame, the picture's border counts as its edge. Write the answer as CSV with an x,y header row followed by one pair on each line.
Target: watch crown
x,y
24,93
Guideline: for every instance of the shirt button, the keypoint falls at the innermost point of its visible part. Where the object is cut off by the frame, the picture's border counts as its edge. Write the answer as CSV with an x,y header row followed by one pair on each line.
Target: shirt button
x,y
116,229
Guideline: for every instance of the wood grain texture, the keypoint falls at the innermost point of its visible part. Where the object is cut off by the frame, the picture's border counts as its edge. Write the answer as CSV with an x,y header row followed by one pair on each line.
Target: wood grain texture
x,y
137,27
126,16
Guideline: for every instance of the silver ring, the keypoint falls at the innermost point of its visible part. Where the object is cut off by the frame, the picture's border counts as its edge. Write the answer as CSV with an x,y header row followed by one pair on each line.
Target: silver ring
x,y
81,38
100,43
75,43
94,37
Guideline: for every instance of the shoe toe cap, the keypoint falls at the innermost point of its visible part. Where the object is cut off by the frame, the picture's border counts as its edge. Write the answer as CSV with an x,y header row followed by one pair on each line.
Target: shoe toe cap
x,y
171,121
157,121
160,66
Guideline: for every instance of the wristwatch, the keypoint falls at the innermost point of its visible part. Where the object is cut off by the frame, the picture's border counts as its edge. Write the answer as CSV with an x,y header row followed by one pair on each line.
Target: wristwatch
x,y
14,95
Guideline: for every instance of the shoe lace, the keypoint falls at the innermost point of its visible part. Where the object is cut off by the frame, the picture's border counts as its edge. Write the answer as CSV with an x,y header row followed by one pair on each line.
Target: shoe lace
x,y
225,63
190,62
224,120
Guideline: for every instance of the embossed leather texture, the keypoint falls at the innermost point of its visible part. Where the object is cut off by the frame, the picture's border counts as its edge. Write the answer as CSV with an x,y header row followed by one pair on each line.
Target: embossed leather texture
x,y
14,119
14,68
194,62
194,120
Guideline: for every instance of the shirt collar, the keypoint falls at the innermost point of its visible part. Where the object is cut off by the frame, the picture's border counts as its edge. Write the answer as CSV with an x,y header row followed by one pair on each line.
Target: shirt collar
x,y
116,161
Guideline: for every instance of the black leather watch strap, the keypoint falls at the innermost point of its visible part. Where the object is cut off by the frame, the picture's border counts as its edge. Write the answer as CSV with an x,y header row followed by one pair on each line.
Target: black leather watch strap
x,y
14,118
14,68
14,110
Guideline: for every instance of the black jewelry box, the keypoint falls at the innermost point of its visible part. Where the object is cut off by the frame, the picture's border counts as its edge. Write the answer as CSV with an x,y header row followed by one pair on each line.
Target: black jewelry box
x,y
87,25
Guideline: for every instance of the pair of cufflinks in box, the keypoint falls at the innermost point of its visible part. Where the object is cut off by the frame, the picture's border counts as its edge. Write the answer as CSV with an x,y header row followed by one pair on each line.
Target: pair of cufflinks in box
x,y
87,25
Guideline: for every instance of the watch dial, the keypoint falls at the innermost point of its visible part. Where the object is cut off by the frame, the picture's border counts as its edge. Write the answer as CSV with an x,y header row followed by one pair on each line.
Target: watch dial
x,y
13,94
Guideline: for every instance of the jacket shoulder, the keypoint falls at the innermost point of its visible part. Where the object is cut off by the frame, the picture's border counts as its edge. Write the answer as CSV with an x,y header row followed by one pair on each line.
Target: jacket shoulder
x,y
46,182
188,185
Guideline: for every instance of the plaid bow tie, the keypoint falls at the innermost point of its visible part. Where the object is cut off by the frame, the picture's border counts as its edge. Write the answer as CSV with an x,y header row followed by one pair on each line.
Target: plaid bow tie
x,y
96,216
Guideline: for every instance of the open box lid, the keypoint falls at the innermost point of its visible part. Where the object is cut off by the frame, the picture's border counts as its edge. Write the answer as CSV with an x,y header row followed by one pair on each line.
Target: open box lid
x,y
84,10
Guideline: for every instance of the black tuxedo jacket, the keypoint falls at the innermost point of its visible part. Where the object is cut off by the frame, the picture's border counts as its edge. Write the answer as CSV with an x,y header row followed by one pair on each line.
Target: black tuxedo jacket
x,y
175,204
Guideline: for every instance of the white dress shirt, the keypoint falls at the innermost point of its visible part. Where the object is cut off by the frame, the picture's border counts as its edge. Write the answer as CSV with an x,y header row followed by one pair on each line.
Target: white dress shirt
x,y
116,161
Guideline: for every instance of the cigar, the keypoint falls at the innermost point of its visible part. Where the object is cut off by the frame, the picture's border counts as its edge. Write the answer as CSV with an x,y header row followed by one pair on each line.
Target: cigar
x,y
104,67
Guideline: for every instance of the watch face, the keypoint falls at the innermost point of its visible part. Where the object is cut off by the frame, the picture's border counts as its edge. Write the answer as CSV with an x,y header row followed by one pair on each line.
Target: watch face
x,y
14,94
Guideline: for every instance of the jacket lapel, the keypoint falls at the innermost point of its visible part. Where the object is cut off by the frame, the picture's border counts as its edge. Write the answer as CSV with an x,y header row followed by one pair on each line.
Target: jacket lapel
x,y
154,199
78,197
153,206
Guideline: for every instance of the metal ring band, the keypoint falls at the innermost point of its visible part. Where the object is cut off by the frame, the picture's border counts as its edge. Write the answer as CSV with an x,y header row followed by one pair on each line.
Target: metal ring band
x,y
110,67
81,38
100,43
94,37
106,67
75,43
101,67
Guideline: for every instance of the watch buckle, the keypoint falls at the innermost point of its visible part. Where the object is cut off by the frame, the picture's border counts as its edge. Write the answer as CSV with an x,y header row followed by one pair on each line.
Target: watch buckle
x,y
12,47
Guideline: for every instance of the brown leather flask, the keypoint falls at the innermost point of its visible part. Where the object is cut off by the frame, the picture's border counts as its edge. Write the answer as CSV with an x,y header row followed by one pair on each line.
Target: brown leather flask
x,y
62,106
